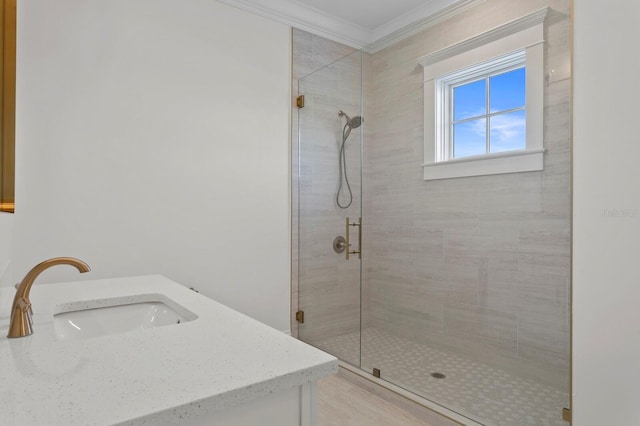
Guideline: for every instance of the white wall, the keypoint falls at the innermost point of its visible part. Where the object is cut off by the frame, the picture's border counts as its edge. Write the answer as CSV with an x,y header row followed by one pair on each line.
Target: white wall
x,y
152,137
6,249
606,280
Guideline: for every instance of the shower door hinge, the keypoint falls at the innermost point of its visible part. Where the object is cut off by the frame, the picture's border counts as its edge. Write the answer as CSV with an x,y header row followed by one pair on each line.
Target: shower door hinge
x,y
300,101
566,414
300,317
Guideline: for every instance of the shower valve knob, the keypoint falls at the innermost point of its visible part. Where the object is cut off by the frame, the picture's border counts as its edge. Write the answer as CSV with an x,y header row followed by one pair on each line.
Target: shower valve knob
x,y
339,244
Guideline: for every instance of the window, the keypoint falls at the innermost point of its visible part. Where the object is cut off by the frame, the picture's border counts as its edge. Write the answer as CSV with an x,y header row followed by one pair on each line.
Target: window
x,y
484,103
485,108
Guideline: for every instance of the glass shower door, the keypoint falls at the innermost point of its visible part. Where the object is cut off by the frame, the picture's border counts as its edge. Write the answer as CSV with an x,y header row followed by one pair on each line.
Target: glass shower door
x,y
330,207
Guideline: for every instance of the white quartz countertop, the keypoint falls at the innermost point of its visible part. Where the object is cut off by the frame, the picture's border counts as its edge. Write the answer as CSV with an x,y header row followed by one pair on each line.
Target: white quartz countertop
x,y
154,376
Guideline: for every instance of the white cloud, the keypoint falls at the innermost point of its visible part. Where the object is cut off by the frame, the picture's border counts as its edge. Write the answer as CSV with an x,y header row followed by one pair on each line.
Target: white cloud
x,y
479,127
507,127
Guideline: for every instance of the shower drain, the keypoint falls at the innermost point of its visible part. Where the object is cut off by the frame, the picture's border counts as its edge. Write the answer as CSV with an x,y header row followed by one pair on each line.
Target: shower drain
x,y
438,375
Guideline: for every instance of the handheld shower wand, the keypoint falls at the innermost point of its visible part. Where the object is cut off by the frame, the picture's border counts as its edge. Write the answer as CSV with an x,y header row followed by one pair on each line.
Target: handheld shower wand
x,y
352,123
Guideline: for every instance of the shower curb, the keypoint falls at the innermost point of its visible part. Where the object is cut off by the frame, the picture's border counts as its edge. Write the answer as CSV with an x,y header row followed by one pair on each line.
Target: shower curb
x,y
413,404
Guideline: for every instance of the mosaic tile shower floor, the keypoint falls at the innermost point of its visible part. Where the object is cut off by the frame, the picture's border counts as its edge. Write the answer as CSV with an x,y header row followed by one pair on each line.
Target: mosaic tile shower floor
x,y
481,392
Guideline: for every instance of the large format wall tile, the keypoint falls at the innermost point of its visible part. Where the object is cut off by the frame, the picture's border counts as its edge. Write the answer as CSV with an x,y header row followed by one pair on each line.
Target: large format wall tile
x,y
498,290
325,285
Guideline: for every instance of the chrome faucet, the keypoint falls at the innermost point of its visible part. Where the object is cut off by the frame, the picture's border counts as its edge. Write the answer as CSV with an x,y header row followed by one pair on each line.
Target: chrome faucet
x,y
21,308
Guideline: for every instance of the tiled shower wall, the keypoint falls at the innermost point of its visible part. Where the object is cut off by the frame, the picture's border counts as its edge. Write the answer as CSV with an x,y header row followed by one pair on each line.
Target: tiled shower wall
x,y
479,265
330,287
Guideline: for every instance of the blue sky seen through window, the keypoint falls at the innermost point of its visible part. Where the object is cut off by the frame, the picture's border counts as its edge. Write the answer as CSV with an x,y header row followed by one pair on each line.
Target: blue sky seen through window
x,y
470,100
470,138
506,131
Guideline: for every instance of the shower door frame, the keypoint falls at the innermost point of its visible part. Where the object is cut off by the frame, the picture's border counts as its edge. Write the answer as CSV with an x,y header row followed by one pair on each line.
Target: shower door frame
x,y
423,407
303,102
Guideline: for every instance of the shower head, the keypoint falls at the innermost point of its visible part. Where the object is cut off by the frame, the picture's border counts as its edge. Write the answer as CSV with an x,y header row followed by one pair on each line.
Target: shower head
x,y
354,122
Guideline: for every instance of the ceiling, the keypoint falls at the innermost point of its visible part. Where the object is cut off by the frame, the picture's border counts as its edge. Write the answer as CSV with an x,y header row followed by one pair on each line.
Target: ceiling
x,y
358,23
366,13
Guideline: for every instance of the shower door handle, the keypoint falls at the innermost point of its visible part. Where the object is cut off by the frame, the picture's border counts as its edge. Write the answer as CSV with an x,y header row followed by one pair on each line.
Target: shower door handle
x,y
348,243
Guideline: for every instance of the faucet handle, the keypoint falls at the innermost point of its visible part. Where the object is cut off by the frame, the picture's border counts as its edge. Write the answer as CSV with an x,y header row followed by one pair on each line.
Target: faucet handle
x,y
29,314
24,305
21,322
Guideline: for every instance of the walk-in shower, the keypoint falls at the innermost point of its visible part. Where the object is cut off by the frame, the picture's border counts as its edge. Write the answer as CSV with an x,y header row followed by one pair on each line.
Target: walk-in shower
x,y
461,293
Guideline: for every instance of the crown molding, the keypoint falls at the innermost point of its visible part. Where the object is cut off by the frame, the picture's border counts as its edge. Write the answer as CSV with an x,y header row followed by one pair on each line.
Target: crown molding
x,y
406,25
496,33
301,16
318,22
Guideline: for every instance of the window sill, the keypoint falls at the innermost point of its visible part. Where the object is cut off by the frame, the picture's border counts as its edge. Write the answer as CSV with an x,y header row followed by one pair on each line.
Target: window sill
x,y
493,164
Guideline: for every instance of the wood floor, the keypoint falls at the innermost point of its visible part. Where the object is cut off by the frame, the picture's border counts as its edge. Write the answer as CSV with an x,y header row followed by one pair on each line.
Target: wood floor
x,y
341,403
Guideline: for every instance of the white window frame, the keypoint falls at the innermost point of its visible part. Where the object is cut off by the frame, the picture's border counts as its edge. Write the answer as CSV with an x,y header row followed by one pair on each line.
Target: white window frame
x,y
445,99
524,36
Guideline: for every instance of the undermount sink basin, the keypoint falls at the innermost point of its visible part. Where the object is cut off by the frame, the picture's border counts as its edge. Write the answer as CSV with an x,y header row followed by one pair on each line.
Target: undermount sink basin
x,y
83,320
